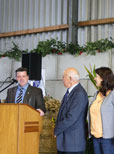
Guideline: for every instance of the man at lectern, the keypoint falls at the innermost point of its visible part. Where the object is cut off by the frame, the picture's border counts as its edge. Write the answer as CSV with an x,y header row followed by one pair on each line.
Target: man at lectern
x,y
25,93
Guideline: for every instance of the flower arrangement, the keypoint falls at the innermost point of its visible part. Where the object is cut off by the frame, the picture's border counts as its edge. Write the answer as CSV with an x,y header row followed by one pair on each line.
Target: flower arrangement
x,y
53,46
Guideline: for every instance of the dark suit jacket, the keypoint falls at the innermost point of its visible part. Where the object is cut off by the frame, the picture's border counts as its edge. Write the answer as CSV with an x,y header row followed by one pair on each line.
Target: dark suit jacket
x,y
71,121
33,97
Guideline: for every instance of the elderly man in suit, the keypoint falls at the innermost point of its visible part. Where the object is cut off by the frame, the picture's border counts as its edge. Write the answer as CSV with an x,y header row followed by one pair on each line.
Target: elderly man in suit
x,y
25,93
71,120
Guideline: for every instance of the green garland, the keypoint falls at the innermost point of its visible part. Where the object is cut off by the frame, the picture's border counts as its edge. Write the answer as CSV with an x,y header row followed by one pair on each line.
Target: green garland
x,y
54,46
14,53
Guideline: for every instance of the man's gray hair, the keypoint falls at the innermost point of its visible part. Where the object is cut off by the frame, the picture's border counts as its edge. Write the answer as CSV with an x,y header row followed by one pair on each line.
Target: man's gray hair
x,y
76,77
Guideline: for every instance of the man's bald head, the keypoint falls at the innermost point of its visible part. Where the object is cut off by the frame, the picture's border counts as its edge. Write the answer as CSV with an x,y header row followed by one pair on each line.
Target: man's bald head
x,y
72,72
70,77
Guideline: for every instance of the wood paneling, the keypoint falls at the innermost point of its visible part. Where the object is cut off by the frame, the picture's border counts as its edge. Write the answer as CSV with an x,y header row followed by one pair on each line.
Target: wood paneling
x,y
96,22
33,31
28,135
8,129
19,129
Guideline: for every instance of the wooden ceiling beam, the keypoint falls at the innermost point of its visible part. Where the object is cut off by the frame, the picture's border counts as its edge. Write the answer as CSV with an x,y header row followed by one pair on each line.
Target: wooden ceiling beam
x,y
96,22
35,30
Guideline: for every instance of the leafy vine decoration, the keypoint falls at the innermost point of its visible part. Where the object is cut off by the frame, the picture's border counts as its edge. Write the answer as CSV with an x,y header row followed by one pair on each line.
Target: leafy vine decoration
x,y
53,46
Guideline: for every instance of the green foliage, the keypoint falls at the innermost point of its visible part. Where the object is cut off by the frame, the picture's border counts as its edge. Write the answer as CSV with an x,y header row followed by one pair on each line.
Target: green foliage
x,y
50,46
99,46
92,75
53,46
15,52
74,49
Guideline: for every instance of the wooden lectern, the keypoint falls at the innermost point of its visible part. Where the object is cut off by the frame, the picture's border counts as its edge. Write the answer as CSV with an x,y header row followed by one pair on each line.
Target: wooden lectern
x,y
20,127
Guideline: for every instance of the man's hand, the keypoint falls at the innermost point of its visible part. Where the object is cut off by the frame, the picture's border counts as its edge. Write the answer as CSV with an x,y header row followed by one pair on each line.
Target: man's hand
x,y
41,112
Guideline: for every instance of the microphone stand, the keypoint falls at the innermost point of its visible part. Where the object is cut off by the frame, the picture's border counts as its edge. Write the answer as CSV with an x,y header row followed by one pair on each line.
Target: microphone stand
x,y
7,86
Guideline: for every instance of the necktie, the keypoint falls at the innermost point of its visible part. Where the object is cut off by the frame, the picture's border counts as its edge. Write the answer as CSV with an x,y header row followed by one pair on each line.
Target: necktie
x,y
19,97
66,94
65,97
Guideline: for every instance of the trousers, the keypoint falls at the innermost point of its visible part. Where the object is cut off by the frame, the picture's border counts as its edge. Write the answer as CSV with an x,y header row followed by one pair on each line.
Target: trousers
x,y
103,146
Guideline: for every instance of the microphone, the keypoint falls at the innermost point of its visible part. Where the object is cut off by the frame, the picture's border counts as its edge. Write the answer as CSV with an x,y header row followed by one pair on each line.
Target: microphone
x,y
13,80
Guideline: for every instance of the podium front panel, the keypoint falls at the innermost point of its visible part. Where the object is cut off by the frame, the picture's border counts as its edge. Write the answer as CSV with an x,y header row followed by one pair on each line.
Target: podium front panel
x,y
29,130
8,129
19,129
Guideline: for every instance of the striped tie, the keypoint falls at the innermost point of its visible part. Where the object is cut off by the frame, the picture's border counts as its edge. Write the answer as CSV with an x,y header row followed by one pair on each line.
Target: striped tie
x,y
19,97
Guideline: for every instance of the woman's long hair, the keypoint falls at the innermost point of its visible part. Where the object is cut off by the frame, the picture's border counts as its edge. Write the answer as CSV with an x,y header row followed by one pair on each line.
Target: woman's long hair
x,y
108,79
